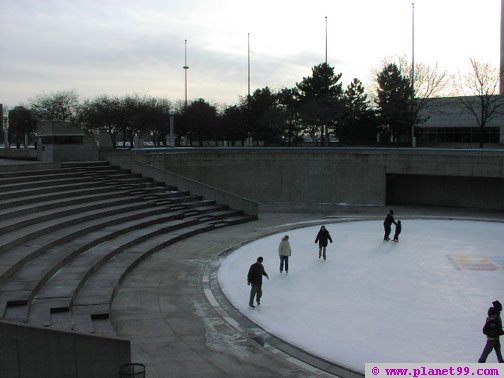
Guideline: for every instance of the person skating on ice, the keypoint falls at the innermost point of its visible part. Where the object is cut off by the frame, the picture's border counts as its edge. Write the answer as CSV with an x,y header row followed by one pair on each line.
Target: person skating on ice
x,y
323,237
398,229
284,251
254,279
493,330
387,224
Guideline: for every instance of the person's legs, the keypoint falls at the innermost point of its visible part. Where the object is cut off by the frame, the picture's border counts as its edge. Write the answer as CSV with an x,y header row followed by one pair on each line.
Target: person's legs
x,y
319,251
281,263
486,351
258,294
387,232
324,250
497,348
286,264
253,292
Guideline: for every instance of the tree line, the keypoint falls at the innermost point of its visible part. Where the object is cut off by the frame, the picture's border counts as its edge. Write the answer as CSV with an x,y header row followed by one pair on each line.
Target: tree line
x,y
318,108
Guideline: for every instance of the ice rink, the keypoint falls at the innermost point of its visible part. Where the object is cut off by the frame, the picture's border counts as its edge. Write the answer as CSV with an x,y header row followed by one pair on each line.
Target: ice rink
x,y
423,299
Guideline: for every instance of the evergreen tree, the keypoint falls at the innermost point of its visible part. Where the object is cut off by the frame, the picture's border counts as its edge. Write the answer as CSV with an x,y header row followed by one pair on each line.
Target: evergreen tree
x,y
359,125
394,102
320,101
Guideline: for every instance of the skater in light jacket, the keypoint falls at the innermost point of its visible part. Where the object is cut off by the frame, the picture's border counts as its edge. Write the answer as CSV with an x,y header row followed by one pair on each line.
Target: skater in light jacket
x,y
284,251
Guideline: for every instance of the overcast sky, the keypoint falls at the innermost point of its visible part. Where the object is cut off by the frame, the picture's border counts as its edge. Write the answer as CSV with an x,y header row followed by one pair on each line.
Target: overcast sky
x,y
120,47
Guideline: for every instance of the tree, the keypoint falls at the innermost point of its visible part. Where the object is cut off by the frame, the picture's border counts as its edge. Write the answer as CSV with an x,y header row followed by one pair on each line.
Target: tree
x,y
359,125
21,124
60,106
393,100
261,115
232,124
160,121
320,101
292,128
105,114
428,82
481,94
198,121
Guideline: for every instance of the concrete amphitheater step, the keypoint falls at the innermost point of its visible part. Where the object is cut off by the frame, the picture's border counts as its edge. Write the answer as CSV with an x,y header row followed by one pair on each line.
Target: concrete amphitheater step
x,y
66,194
66,229
32,271
61,185
74,222
35,207
95,293
21,180
66,250
27,215
30,217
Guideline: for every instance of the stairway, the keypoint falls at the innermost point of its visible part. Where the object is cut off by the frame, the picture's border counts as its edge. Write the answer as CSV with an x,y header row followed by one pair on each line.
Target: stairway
x,y
69,236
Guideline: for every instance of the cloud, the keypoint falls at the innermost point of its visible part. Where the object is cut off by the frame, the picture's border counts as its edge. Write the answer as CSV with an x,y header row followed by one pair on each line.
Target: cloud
x,y
121,46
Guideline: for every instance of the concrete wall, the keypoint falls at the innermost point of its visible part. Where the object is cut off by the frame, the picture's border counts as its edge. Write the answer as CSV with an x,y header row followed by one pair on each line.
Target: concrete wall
x,y
31,352
341,175
282,176
131,161
18,153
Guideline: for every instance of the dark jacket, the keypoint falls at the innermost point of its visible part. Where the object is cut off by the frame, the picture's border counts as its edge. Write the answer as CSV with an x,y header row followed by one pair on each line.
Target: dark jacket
x,y
398,228
389,220
322,237
493,327
255,273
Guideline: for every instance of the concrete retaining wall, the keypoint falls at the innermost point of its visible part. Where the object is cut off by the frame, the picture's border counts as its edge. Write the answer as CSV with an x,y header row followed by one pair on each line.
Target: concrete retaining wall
x,y
283,176
131,161
27,352
357,176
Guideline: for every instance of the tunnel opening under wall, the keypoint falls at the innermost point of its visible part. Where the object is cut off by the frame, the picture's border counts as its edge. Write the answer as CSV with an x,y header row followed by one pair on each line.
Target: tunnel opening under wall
x,y
430,190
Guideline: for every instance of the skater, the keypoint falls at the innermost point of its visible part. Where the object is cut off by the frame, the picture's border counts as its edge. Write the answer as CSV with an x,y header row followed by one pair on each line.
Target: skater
x,y
387,224
492,330
322,237
398,229
284,251
254,279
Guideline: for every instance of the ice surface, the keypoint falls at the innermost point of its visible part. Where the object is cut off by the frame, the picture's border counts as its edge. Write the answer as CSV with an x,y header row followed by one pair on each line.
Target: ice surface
x,y
423,299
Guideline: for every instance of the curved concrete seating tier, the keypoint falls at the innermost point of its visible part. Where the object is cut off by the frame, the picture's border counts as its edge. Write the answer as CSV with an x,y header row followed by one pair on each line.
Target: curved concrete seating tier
x,y
69,236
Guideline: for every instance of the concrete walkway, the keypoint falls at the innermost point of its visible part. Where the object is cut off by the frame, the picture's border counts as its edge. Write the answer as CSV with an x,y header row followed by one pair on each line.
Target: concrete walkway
x,y
180,324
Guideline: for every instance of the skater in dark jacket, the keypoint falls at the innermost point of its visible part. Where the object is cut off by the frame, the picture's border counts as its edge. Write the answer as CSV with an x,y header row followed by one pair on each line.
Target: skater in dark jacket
x,y
398,228
323,237
387,224
492,330
254,279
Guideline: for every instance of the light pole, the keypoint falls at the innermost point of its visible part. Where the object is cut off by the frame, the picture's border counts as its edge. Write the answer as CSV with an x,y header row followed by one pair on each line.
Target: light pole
x,y
172,127
326,39
186,67
248,63
413,138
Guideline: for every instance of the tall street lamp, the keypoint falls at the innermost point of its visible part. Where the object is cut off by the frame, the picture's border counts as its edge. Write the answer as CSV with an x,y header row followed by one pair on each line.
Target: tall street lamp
x,y
413,138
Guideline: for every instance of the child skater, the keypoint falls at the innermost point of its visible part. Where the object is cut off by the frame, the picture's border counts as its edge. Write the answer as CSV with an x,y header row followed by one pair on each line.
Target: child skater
x,y
398,229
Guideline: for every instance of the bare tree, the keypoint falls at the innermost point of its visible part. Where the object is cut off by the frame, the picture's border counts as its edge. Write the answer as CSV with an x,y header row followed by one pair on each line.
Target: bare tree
x,y
428,82
480,90
61,106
